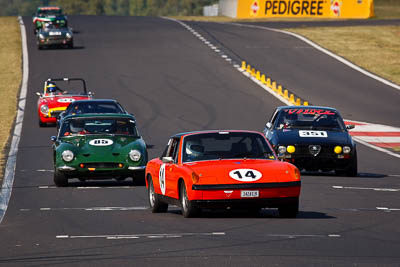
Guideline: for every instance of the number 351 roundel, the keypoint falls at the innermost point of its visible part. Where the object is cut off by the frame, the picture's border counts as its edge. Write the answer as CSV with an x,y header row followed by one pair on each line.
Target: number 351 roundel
x,y
245,175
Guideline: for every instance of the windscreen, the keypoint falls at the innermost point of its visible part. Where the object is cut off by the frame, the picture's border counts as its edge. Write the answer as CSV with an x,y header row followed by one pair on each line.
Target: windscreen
x,y
314,119
49,12
94,107
86,126
68,87
225,145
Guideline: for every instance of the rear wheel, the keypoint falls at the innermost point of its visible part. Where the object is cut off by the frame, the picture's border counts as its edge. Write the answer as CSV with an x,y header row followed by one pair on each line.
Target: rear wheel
x,y
60,179
156,204
289,211
188,209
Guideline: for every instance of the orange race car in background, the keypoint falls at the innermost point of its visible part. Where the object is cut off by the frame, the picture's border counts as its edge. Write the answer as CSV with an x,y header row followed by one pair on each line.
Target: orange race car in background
x,y
56,98
221,169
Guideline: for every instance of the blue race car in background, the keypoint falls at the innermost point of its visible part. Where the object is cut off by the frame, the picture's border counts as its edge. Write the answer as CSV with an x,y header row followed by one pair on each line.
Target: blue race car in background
x,y
313,138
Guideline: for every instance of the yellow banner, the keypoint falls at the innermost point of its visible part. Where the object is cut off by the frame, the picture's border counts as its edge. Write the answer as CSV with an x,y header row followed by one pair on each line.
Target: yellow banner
x,y
305,8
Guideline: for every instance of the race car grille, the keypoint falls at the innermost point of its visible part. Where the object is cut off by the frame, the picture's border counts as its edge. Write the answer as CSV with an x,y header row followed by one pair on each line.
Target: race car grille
x,y
304,150
102,165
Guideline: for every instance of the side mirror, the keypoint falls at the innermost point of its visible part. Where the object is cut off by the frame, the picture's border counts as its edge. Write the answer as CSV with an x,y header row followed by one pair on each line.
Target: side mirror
x,y
268,125
350,126
53,138
167,160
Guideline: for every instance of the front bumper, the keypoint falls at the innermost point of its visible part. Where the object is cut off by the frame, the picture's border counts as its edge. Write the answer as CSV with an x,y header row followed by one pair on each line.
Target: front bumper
x,y
91,172
230,195
55,41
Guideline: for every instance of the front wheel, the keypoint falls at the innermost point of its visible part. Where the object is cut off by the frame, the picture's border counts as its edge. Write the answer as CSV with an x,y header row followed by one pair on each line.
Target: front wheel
x,y
188,209
156,205
42,124
289,211
60,179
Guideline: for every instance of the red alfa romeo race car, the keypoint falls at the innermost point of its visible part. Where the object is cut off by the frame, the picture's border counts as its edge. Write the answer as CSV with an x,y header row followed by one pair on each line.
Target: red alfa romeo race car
x,y
222,169
56,97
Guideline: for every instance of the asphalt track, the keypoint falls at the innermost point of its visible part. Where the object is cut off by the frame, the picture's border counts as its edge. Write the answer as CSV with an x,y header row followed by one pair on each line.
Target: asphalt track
x,y
172,83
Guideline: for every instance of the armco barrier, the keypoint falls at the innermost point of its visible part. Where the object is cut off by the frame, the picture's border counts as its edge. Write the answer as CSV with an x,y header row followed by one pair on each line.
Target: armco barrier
x,y
297,8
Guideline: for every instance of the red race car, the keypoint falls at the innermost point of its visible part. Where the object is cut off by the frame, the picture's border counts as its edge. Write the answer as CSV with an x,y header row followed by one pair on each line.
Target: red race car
x,y
222,169
56,97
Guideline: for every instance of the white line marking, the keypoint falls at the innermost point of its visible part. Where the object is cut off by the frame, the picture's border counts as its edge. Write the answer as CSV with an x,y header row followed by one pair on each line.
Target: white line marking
x,y
43,170
366,188
113,237
384,209
9,173
97,209
296,236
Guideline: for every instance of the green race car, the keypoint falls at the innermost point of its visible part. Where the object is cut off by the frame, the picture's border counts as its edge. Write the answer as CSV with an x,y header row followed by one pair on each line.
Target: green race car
x,y
46,14
98,146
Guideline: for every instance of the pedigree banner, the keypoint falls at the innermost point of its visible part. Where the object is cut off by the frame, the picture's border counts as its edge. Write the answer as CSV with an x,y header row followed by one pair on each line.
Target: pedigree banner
x,y
305,8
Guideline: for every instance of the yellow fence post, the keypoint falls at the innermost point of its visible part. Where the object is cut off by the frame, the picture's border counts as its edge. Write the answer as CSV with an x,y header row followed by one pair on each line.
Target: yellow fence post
x,y
263,79
286,94
243,65
291,98
269,82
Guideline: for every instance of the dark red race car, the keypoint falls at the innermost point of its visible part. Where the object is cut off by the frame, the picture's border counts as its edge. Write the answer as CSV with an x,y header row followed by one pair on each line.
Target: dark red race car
x,y
57,94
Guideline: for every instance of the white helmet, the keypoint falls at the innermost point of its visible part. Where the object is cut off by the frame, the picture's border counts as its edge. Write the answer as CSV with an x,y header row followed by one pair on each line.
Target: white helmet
x,y
194,149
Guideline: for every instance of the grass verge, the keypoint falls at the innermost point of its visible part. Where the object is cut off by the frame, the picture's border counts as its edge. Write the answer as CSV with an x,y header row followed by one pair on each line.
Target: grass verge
x,y
10,77
374,48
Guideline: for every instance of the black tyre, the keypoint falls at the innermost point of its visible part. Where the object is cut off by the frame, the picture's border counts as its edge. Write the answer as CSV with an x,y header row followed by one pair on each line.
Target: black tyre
x,y
289,211
42,124
156,205
60,179
139,179
352,170
188,209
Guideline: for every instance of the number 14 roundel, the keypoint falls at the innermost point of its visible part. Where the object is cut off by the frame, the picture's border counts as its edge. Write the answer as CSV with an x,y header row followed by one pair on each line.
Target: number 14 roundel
x,y
245,175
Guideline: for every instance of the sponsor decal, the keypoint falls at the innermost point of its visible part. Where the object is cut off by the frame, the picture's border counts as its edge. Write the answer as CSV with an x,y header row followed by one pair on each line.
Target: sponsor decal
x,y
65,100
161,178
336,7
310,111
101,142
54,33
245,175
303,133
296,7
254,8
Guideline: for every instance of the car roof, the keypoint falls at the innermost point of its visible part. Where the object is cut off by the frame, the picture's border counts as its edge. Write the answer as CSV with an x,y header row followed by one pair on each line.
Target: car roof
x,y
179,135
101,115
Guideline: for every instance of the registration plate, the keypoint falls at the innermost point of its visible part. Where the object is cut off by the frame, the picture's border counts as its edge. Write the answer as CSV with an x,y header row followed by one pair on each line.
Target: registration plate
x,y
249,193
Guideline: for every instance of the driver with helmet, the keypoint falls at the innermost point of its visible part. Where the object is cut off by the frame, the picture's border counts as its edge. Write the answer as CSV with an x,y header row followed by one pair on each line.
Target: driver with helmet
x,y
52,88
194,150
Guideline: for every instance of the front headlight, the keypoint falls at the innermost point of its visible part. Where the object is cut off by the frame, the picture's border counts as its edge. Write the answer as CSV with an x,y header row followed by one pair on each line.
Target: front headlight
x,y
41,36
44,109
291,149
135,155
338,149
281,150
68,35
67,155
346,149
